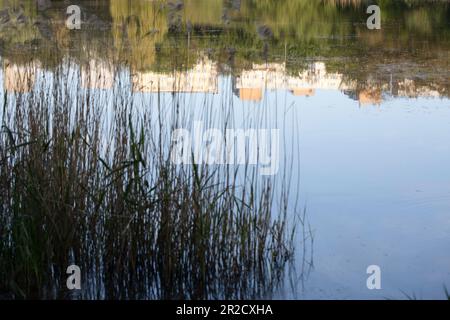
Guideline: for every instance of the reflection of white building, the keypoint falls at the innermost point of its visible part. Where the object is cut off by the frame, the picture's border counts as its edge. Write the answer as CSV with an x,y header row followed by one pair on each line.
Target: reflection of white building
x,y
203,77
97,75
316,77
273,76
19,78
408,88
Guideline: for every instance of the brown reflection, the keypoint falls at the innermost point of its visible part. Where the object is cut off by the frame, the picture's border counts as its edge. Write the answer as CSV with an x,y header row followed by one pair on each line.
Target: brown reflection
x,y
202,78
409,88
19,78
303,92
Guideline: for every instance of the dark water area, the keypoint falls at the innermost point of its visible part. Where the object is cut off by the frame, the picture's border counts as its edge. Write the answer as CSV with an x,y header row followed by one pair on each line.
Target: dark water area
x,y
364,162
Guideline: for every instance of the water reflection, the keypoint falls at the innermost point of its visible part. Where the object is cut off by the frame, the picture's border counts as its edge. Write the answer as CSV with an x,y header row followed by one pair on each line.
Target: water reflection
x,y
18,78
374,179
248,85
202,78
97,74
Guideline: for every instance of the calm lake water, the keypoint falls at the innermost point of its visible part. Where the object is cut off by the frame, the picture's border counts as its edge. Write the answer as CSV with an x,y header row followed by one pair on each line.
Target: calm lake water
x,y
364,114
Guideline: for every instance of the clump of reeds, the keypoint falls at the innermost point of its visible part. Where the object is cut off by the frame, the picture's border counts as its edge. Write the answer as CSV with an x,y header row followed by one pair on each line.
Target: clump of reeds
x,y
85,179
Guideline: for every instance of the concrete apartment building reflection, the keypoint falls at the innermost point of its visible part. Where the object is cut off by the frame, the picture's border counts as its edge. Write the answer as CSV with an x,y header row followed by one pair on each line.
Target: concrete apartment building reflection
x,y
251,84
370,96
19,78
202,78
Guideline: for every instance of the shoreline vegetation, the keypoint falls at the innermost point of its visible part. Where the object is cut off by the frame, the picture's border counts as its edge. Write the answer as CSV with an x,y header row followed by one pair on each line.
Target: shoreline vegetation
x,y
86,179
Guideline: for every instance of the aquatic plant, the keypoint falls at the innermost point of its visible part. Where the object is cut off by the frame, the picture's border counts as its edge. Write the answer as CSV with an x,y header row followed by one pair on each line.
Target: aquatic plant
x,y
86,179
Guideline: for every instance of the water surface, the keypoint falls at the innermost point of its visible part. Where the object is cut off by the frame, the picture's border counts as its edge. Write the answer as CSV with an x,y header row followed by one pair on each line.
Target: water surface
x,y
368,109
